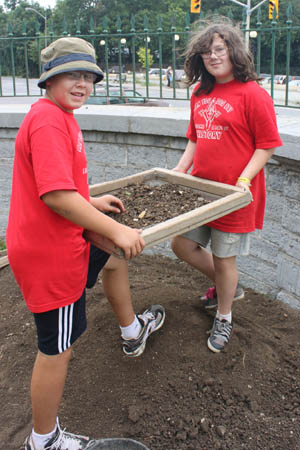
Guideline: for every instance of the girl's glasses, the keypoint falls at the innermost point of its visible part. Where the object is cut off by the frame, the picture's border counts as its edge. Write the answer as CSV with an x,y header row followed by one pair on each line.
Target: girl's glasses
x,y
218,51
76,75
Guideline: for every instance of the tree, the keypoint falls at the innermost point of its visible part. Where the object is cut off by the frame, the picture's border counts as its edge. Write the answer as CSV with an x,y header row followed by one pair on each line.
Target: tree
x,y
142,57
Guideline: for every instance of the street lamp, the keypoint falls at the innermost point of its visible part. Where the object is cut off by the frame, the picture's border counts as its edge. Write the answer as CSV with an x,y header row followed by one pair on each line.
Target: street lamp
x,y
45,20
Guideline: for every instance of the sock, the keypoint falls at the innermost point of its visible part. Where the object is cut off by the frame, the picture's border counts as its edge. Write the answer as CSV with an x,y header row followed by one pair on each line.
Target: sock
x,y
40,440
131,331
227,317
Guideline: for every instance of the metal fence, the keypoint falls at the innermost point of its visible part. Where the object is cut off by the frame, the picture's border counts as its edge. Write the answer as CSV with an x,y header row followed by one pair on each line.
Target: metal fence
x,y
126,57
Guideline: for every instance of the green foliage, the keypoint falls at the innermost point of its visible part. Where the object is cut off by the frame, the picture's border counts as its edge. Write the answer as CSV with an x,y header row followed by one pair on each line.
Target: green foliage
x,y
93,17
2,244
143,59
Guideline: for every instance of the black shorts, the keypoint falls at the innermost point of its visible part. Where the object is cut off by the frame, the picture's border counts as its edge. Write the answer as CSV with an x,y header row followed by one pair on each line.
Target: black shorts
x,y
59,328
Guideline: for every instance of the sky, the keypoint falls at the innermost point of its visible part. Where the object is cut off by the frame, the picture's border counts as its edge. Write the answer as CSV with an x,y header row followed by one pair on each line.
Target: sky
x,y
44,3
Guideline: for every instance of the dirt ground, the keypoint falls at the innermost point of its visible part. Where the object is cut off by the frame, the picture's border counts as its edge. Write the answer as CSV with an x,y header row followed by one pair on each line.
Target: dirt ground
x,y
178,395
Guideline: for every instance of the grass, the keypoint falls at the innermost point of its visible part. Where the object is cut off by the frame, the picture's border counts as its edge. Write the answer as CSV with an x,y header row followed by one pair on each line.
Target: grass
x,y
2,244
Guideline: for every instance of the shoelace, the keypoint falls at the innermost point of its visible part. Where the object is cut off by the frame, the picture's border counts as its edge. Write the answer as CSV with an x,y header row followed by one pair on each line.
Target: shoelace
x,y
148,315
58,444
223,329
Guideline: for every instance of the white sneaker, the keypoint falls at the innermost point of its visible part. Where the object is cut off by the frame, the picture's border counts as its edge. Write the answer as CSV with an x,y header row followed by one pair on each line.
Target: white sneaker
x,y
63,441
151,320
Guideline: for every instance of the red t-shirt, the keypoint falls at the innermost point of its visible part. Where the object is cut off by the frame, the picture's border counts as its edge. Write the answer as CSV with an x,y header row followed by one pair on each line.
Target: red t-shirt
x,y
47,253
229,124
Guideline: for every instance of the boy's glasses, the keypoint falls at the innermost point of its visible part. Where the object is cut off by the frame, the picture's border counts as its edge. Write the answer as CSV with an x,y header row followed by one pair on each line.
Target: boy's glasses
x,y
218,51
76,76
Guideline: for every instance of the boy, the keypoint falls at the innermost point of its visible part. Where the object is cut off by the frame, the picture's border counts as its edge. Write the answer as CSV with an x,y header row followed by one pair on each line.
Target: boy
x,y
50,208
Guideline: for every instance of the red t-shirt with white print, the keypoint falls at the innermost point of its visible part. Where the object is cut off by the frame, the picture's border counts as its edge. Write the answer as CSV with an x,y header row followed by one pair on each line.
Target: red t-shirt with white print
x,y
229,124
47,253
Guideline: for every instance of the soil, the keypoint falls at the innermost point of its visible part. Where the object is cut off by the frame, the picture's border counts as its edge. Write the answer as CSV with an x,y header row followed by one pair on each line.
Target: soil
x,y
178,395
147,204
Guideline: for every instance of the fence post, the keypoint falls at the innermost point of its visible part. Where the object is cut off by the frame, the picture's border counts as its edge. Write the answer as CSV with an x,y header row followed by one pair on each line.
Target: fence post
x,y
146,54
258,41
24,34
159,30
132,30
288,52
10,34
273,51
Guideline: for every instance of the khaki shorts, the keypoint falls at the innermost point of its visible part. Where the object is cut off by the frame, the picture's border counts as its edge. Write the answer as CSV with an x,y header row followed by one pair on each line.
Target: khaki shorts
x,y
222,244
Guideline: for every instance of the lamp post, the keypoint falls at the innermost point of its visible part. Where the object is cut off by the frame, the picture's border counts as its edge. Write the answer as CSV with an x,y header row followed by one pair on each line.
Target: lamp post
x,y
249,11
45,20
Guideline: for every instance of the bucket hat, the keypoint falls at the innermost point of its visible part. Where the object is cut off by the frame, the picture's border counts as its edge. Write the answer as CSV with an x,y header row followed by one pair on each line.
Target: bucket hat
x,y
67,55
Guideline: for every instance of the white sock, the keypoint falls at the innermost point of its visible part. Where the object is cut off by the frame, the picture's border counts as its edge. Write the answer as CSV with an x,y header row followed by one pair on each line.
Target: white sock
x,y
131,331
227,317
40,440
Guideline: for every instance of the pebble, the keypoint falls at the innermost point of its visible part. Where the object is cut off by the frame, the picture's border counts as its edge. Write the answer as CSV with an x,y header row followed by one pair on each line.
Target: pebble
x,y
221,431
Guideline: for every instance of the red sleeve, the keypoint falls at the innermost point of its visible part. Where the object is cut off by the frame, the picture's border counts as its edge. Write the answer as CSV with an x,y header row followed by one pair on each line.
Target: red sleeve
x,y
191,131
52,159
262,119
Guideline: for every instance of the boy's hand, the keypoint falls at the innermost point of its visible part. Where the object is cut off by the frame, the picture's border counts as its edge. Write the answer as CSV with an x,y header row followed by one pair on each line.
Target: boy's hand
x,y
108,203
130,241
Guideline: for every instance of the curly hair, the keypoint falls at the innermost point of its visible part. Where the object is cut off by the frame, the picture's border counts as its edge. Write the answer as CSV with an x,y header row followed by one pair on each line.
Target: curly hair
x,y
200,42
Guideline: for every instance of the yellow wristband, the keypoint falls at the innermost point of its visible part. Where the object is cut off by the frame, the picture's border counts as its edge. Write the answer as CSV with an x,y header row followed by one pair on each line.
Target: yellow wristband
x,y
244,180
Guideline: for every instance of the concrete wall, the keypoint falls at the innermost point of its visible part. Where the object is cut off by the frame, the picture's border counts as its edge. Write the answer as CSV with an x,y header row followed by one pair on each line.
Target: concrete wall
x,y
121,141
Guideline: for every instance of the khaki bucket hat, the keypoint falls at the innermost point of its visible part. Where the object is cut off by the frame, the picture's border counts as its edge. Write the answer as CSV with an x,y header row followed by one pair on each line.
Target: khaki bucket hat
x,y
67,55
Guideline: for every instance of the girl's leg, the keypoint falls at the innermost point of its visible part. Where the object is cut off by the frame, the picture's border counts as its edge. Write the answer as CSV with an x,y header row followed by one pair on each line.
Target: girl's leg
x,y
117,290
226,279
47,385
190,252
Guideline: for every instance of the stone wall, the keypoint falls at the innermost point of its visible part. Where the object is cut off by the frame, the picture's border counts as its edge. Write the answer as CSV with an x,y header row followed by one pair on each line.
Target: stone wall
x,y
121,141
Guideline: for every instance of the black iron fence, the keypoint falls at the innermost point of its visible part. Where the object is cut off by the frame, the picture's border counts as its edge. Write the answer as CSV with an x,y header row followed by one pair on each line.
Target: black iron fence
x,y
128,58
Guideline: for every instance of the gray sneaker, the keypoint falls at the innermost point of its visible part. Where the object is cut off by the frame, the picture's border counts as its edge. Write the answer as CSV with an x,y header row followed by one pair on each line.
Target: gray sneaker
x,y
210,298
219,335
151,320
63,441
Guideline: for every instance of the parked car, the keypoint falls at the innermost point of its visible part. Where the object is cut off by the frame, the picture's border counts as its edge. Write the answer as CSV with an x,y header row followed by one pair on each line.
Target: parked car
x,y
265,78
279,79
180,79
294,83
285,79
116,69
157,72
116,96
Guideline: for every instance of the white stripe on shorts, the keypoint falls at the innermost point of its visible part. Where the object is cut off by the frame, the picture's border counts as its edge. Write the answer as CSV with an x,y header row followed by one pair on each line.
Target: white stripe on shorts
x,y
65,324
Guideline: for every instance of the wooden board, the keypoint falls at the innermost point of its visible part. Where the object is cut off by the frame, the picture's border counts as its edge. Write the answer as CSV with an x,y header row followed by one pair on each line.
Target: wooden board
x,y
3,261
223,198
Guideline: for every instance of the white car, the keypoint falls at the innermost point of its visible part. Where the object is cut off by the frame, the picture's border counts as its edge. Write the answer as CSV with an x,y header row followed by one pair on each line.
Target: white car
x,y
294,83
157,72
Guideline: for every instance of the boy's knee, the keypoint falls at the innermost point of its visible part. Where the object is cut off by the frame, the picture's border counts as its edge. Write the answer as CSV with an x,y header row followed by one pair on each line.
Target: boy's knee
x,y
60,358
175,244
115,264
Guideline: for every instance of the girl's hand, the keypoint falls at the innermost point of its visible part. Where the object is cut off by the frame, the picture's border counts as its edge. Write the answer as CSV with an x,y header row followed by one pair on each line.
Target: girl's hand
x,y
108,203
178,169
244,186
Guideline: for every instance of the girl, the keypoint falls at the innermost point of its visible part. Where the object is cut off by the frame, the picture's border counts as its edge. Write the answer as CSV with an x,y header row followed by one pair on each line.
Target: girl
x,y
231,135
